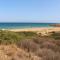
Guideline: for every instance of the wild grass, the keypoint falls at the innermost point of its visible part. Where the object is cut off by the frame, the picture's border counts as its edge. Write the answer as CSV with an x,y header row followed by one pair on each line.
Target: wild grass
x,y
46,47
8,37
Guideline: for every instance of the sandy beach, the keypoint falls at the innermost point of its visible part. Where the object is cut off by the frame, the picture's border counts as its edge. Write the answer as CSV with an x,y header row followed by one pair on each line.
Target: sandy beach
x,y
41,29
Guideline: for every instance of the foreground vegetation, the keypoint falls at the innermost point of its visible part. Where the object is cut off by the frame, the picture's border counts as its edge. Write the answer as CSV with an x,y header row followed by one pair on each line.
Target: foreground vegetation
x,y
8,37
33,45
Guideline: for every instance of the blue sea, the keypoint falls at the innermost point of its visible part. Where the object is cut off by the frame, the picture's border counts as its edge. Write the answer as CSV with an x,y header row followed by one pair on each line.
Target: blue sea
x,y
23,25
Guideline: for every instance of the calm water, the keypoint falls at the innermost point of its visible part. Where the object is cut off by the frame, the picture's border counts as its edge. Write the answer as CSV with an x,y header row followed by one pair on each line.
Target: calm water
x,y
23,25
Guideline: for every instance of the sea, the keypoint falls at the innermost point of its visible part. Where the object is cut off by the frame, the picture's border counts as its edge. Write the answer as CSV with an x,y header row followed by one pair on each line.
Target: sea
x,y
23,25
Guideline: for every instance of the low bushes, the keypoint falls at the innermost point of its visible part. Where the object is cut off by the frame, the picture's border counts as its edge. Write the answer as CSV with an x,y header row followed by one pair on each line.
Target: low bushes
x,y
47,47
8,37
28,45
55,35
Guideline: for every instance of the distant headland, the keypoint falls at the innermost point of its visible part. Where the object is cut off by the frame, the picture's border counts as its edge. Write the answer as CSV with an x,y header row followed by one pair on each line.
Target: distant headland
x,y
55,25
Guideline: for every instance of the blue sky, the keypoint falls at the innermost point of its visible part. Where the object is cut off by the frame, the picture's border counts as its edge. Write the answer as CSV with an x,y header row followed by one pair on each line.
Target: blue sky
x,y
29,10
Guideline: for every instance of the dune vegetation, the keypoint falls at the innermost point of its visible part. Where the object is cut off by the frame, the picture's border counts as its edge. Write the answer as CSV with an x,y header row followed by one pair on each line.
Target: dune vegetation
x,y
29,46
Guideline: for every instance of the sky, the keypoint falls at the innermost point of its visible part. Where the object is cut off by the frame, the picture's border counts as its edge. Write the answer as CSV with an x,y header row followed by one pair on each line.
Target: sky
x,y
30,11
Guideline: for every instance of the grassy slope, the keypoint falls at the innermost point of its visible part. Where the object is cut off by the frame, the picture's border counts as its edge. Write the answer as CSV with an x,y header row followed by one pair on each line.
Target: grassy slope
x,y
8,37
29,45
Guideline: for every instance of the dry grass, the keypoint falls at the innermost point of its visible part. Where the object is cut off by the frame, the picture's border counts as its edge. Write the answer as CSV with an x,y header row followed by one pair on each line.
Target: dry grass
x,y
11,52
35,47
44,47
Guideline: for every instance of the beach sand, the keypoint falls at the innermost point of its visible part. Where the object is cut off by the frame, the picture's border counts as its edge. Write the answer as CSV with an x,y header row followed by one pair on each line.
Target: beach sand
x,y
41,29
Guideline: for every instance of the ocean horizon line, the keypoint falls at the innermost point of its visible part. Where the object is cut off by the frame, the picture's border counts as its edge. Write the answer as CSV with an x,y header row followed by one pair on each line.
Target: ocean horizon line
x,y
32,22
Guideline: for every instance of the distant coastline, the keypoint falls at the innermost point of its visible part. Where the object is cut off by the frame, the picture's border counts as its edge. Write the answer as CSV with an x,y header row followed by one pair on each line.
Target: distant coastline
x,y
55,25
37,27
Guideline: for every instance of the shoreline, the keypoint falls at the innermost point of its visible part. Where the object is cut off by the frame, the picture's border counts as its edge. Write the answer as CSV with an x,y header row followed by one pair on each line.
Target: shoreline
x,y
41,29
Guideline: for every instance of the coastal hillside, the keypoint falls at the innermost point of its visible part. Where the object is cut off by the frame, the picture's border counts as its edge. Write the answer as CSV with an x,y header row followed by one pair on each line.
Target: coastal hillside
x,y
29,46
55,25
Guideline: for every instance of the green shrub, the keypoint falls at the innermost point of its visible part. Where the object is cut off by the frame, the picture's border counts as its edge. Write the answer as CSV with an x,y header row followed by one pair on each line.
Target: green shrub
x,y
55,35
8,37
